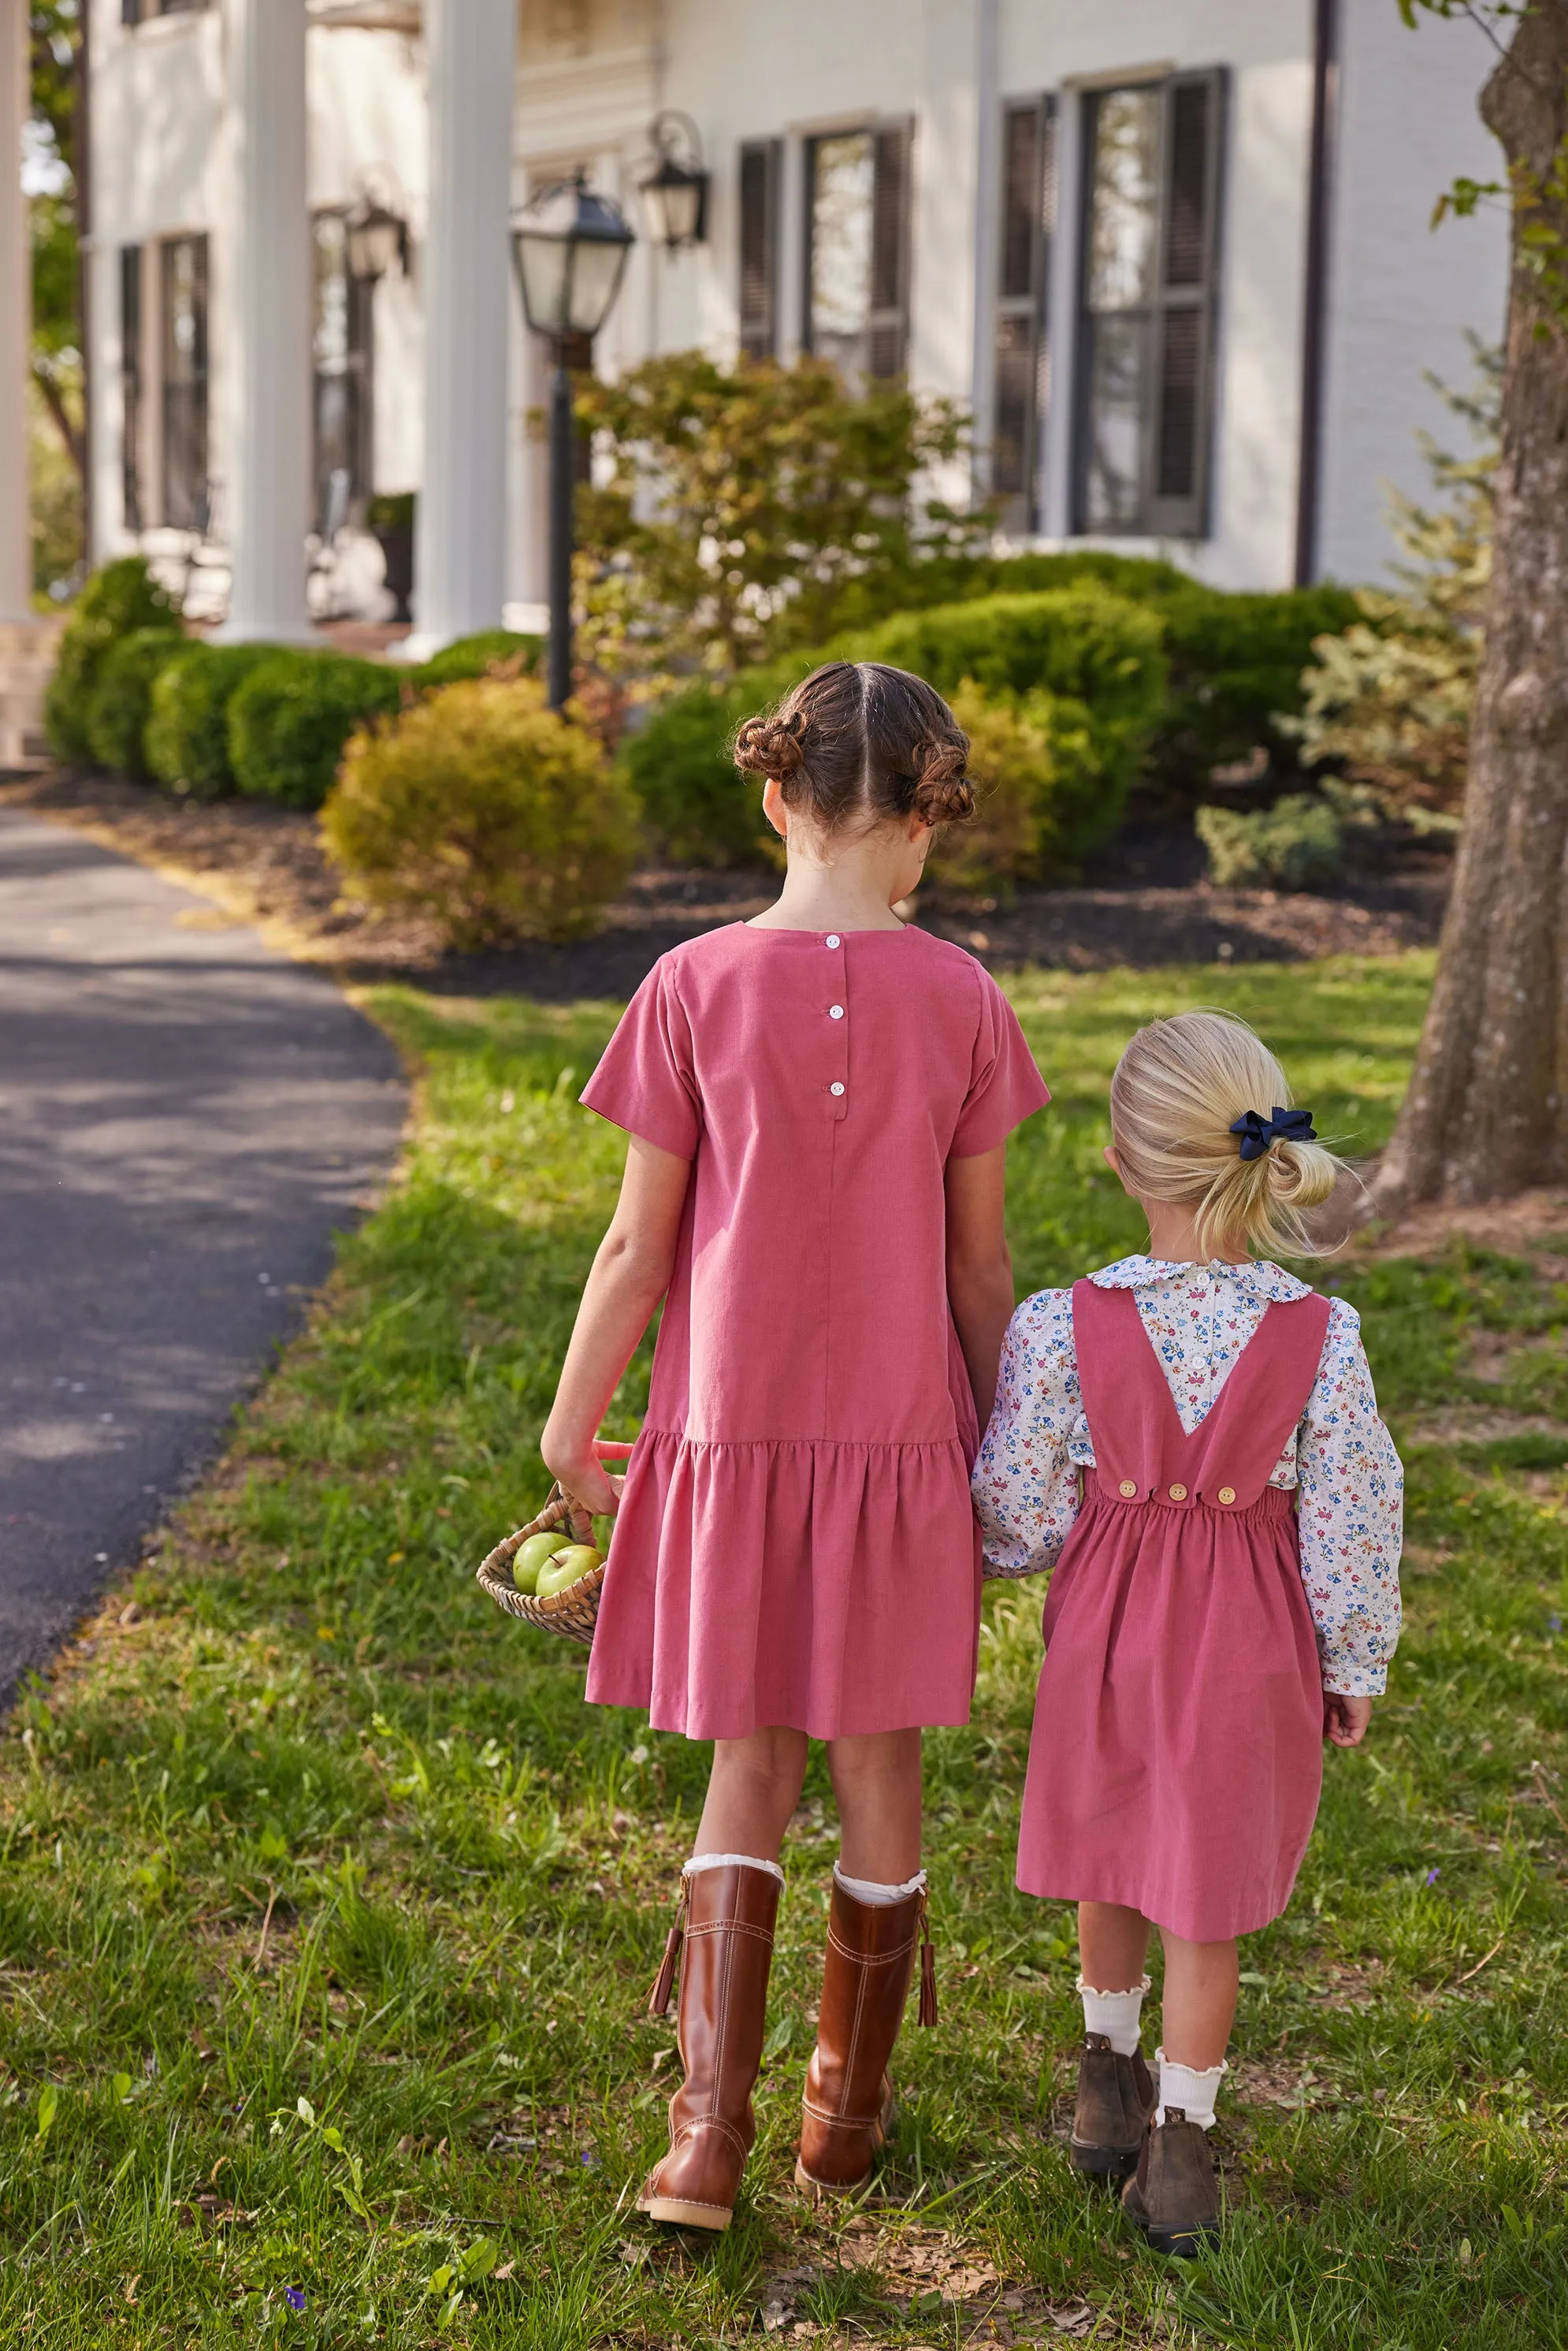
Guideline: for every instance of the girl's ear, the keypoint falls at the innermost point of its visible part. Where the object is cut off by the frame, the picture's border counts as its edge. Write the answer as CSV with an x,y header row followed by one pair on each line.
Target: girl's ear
x,y
774,808
1114,1164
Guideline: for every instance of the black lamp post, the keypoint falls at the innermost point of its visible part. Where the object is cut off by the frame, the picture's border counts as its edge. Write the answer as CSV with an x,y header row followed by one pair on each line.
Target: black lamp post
x,y
569,246
674,192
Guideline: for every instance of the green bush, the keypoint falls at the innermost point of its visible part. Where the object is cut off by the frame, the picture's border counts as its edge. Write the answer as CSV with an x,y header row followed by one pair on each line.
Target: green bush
x,y
1083,666
1236,669
117,601
122,698
1013,771
1293,845
477,656
485,810
290,718
188,725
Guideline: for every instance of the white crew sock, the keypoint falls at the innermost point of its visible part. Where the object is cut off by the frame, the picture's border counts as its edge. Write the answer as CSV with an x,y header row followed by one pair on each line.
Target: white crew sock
x,y
1194,2093
880,1897
730,1861
1114,2013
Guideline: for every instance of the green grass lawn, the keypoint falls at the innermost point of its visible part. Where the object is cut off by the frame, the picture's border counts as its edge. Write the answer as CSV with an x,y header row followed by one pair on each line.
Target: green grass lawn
x,y
328,1910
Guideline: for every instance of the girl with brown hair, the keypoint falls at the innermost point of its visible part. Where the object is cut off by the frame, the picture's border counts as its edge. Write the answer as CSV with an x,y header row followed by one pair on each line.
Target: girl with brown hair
x,y
817,1102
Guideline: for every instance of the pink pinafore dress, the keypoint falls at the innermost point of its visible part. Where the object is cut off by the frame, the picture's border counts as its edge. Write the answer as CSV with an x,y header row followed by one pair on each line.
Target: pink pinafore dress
x,y
1176,1756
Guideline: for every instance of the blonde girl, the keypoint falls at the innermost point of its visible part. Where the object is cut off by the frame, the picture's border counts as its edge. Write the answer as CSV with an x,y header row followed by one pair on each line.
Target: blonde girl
x,y
818,1101
1189,1439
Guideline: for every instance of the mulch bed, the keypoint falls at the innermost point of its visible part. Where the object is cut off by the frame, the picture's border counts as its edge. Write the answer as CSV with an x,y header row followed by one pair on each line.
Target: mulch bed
x,y
1145,901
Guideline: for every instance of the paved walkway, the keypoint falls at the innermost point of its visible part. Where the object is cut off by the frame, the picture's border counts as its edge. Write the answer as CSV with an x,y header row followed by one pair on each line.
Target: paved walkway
x,y
185,1120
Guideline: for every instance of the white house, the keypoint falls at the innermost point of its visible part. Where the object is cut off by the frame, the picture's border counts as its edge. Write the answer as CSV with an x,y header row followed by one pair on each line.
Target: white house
x,y
1174,254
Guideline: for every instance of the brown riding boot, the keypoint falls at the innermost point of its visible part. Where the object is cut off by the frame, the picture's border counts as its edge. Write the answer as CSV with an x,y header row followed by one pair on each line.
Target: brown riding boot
x,y
1174,2196
726,1916
1116,2101
848,2107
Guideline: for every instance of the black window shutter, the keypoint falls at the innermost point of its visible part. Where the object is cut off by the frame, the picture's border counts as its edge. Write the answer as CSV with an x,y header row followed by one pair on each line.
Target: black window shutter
x,y
1187,305
1028,217
887,339
130,402
130,12
760,161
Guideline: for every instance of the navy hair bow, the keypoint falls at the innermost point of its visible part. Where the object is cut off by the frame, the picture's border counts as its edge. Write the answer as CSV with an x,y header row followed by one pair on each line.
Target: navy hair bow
x,y
1257,1133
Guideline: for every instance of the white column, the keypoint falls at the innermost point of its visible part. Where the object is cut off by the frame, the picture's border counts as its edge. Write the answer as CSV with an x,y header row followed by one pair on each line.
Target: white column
x,y
460,554
15,318
987,133
265,497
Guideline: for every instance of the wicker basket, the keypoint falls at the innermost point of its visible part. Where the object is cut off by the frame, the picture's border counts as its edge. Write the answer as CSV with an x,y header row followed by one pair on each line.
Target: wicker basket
x,y
571,1612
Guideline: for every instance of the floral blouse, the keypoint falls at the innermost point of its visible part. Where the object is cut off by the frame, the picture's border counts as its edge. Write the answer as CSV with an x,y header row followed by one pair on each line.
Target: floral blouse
x,y
1198,1319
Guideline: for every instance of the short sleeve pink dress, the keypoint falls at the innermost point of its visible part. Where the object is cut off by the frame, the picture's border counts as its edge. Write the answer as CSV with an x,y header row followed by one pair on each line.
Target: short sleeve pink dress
x,y
796,1546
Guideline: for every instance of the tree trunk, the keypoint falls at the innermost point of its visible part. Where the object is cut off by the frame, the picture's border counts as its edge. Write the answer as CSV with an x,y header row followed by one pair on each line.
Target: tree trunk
x,y
1487,1113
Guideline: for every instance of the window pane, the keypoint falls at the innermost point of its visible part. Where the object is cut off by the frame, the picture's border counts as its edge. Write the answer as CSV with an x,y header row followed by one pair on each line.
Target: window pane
x,y
1118,394
131,383
1123,200
842,191
185,340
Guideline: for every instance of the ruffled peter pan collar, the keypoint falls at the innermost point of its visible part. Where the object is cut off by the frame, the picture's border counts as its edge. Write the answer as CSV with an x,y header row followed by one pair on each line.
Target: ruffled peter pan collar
x,y
1268,1284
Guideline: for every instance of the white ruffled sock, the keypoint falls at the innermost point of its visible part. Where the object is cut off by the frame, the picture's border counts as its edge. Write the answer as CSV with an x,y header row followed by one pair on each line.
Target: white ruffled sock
x,y
1114,2013
1185,2086
880,1897
730,1861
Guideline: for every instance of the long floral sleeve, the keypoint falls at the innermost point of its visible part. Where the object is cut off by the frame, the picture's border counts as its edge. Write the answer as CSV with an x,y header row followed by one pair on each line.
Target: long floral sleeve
x,y
1351,1506
1026,1477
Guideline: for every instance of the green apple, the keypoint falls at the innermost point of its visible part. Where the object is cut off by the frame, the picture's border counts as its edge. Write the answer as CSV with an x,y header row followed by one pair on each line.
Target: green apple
x,y
530,1556
567,1568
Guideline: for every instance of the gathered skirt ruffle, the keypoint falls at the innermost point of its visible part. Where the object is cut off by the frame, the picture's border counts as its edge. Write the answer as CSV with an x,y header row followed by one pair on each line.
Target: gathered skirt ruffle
x,y
829,1588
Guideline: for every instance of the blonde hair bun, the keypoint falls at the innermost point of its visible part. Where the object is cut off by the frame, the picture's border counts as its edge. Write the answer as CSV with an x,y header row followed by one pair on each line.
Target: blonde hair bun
x,y
1181,1090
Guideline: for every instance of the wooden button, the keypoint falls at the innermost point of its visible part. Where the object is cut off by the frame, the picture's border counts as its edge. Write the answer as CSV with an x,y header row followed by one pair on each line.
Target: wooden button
x,y
1228,1494
1128,1488
1178,1493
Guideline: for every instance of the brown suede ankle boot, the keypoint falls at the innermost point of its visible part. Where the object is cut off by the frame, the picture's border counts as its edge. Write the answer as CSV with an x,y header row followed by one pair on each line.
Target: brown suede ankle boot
x,y
1174,2196
848,2107
727,1918
1115,2102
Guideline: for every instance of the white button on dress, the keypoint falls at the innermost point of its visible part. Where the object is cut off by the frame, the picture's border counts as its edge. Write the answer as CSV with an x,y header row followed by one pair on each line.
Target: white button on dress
x,y
834,939
835,1011
835,1088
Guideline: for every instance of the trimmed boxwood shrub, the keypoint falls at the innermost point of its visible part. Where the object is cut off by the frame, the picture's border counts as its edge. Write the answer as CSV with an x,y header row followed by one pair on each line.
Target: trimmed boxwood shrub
x,y
188,725
121,698
1235,665
483,808
478,655
1088,665
120,600
290,718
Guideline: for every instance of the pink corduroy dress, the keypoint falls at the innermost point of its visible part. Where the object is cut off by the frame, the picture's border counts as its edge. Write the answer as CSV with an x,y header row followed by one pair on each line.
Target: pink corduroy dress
x,y
796,1546
1176,1756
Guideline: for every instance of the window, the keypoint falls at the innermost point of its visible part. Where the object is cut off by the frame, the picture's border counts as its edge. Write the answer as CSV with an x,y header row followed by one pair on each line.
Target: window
x,y
759,172
1028,219
857,250
131,400
1146,327
184,303
133,12
343,342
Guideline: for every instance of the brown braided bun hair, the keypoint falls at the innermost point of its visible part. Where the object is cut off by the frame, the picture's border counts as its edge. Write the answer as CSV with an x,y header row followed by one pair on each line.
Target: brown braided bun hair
x,y
859,741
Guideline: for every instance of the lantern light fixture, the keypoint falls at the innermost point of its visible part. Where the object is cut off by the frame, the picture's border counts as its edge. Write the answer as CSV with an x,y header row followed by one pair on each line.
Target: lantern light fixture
x,y
375,236
674,190
569,246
